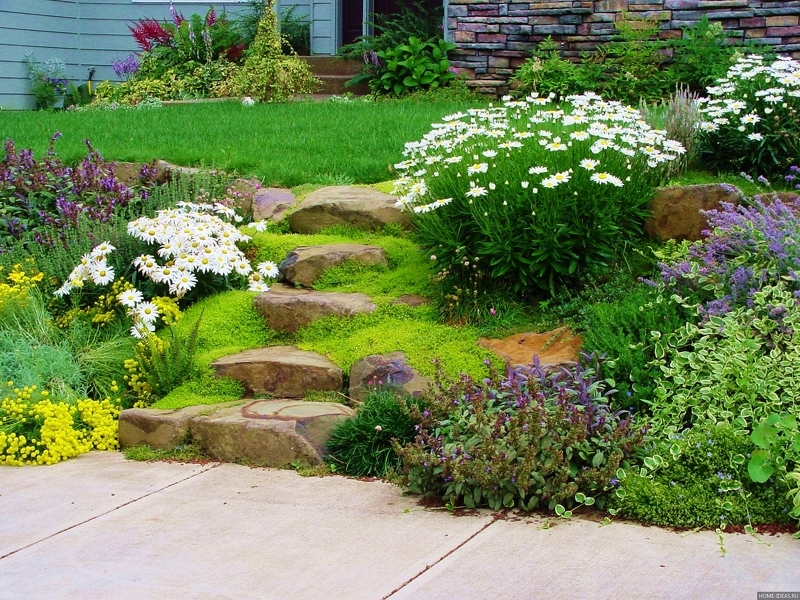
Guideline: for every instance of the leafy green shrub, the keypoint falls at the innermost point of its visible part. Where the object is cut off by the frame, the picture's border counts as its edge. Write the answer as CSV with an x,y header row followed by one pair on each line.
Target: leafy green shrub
x,y
752,120
699,479
390,31
47,81
267,74
414,65
362,445
532,438
735,368
531,194
778,453
622,331
546,72
702,54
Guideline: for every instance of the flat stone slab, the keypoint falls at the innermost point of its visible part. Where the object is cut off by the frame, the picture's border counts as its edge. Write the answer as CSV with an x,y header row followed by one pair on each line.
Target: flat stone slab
x,y
272,204
304,264
365,208
282,371
162,429
270,433
556,347
286,308
385,370
676,210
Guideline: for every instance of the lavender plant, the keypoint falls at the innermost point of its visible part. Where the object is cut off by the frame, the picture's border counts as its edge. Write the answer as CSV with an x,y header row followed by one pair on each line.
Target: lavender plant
x,y
534,437
747,248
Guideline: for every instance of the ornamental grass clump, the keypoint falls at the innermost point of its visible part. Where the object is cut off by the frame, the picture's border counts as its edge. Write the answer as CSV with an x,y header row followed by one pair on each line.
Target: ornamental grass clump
x,y
751,121
532,192
533,437
747,247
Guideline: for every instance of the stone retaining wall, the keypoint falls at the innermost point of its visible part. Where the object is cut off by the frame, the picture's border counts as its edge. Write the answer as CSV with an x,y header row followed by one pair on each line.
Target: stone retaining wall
x,y
494,37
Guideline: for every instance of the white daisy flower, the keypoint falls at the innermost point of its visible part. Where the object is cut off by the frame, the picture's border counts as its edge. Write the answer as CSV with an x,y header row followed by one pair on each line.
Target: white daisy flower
x,y
130,298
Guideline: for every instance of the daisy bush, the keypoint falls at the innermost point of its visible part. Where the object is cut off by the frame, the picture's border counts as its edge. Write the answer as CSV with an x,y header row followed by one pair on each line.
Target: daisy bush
x,y
533,192
751,118
193,240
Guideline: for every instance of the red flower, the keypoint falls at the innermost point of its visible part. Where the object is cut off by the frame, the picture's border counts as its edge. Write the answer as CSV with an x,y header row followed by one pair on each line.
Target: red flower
x,y
149,33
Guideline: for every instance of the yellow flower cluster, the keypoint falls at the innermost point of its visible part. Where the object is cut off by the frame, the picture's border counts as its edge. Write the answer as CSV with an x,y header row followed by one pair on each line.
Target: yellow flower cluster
x,y
106,309
168,309
15,285
138,384
36,430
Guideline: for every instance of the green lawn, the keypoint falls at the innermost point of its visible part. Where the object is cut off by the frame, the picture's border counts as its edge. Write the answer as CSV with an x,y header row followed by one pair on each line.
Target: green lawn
x,y
283,144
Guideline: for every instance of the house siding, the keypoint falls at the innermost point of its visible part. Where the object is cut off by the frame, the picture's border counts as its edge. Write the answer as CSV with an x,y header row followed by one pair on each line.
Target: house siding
x,y
84,34
493,37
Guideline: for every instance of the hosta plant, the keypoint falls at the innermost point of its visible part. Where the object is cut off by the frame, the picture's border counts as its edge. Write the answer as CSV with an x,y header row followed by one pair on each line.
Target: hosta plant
x,y
534,191
751,121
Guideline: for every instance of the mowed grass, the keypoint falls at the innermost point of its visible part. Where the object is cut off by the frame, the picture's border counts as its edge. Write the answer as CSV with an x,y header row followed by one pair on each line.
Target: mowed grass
x,y
282,144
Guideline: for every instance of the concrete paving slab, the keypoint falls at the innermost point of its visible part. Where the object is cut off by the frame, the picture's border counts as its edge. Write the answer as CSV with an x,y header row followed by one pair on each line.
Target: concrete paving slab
x,y
235,532
39,501
579,559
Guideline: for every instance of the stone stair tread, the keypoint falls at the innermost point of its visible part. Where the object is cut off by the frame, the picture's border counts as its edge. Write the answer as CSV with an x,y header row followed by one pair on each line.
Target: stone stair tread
x,y
304,264
350,205
270,433
287,308
282,371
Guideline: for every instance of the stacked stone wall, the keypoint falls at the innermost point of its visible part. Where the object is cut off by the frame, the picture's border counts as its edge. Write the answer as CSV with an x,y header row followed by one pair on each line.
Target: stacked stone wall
x,y
494,37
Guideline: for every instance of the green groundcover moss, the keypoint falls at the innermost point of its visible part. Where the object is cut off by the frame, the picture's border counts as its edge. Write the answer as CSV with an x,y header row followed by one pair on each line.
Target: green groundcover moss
x,y
397,328
409,272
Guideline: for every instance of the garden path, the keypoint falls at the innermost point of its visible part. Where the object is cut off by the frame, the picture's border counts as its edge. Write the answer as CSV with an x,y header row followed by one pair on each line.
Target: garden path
x,y
99,526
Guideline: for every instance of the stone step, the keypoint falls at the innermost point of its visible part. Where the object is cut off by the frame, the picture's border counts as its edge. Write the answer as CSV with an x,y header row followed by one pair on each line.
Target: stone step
x,y
286,308
390,371
332,65
304,264
558,347
335,84
361,207
271,433
282,371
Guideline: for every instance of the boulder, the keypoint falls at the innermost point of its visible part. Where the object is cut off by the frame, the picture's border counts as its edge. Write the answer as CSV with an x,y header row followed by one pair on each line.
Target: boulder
x,y
162,429
362,207
304,264
557,347
385,370
128,172
785,197
282,371
286,308
272,204
676,211
412,300
244,191
270,433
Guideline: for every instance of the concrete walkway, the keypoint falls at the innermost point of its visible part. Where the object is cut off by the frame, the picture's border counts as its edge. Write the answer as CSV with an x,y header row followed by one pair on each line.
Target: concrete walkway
x,y
100,527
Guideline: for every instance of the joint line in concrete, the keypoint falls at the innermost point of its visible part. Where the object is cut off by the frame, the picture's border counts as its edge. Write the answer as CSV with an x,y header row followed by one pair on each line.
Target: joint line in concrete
x,y
52,535
494,520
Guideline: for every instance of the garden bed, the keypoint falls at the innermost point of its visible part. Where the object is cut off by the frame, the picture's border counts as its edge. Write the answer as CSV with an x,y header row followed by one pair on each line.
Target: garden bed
x,y
682,411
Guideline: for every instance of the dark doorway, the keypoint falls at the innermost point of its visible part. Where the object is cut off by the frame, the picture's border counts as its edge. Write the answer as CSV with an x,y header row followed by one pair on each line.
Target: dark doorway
x,y
353,14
